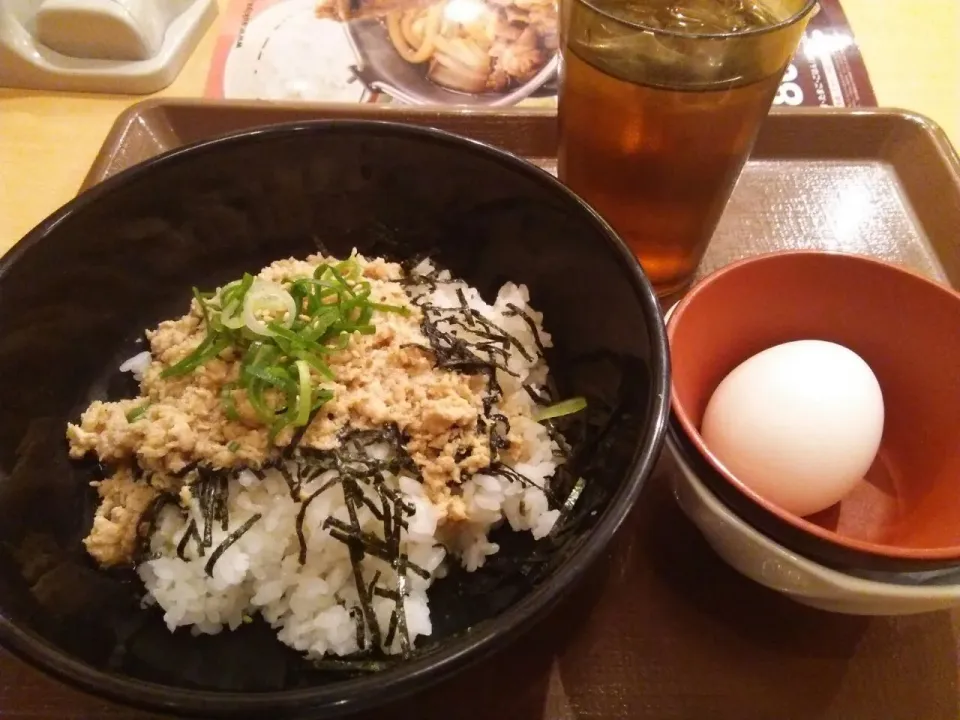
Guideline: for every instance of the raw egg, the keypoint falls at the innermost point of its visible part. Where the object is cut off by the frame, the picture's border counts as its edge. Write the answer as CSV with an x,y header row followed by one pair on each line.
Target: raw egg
x,y
799,423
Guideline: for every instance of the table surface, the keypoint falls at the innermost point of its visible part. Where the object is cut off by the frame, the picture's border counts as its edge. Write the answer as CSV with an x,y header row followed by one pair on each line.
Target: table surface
x,y
48,141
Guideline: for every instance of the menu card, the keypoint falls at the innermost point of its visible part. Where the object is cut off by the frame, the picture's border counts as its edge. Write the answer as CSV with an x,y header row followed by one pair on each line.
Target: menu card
x,y
463,53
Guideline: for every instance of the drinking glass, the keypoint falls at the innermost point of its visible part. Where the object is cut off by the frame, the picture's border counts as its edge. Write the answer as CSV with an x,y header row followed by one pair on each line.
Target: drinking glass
x,y
660,104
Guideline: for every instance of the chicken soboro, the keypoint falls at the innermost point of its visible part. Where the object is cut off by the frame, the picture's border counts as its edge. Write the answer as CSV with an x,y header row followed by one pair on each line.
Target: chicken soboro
x,y
386,377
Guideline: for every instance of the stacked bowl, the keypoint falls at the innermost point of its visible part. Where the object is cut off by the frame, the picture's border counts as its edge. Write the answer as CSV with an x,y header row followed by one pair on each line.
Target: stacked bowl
x,y
891,545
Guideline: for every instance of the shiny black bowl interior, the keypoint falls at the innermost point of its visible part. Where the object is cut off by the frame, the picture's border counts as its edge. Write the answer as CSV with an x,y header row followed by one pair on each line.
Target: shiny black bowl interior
x,y
77,292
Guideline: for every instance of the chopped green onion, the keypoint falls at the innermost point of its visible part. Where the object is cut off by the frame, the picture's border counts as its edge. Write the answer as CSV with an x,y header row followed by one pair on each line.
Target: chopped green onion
x,y
272,375
235,292
282,333
341,279
399,309
318,326
289,336
231,316
203,306
258,402
313,361
564,407
137,412
343,339
365,315
268,297
321,398
303,394
228,402
209,348
359,329
233,446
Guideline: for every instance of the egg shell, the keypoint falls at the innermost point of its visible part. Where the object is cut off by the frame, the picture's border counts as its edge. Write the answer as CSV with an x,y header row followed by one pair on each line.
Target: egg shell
x,y
799,423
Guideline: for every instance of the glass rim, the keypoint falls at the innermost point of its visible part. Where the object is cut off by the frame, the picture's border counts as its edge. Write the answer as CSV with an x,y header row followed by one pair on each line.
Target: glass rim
x,y
807,8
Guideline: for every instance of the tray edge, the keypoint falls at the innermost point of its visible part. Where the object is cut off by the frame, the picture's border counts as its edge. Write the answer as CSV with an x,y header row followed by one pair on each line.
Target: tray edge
x,y
107,154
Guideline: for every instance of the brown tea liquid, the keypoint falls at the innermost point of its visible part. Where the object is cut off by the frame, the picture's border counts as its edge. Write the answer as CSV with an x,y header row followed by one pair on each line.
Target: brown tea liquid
x,y
658,163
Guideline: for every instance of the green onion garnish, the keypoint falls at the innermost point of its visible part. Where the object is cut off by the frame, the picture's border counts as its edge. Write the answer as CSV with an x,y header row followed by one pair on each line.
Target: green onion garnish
x,y
282,333
564,407
233,446
137,412
303,394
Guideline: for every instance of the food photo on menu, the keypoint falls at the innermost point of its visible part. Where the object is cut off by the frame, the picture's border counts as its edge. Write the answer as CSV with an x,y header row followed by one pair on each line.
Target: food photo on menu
x,y
491,53
469,53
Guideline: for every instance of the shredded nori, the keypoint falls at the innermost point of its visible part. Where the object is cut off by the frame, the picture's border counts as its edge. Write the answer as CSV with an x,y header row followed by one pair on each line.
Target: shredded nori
x,y
355,468
452,352
212,490
372,585
558,437
514,310
299,433
356,558
302,557
147,523
190,533
368,503
540,397
499,430
292,484
507,472
186,469
223,497
228,541
391,629
357,615
207,510
350,534
484,356
401,614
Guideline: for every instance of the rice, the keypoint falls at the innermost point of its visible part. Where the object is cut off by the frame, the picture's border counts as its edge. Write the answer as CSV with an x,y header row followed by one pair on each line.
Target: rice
x,y
320,555
137,365
310,605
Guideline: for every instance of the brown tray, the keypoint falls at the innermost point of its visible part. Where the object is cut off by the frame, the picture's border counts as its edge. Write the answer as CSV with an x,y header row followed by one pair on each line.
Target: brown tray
x,y
663,629
880,182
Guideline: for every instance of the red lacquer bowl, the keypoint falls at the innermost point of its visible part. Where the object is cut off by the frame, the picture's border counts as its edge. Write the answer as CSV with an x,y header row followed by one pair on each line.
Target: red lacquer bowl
x,y
905,514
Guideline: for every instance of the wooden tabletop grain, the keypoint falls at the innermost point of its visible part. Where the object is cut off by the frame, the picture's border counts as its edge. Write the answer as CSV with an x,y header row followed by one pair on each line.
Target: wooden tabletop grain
x,y
49,140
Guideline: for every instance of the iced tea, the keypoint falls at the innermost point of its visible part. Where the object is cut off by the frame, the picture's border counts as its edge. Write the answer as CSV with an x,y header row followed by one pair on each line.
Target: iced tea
x,y
660,105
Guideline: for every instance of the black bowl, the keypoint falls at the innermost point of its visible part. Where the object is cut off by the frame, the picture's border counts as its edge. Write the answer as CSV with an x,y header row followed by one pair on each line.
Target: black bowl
x,y
76,293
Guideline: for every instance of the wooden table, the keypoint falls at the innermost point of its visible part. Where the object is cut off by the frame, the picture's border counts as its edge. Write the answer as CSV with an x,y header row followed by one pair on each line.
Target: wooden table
x,y
47,142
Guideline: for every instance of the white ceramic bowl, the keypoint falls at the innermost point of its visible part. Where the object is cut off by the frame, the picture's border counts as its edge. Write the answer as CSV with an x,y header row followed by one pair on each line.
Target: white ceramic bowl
x,y
764,561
